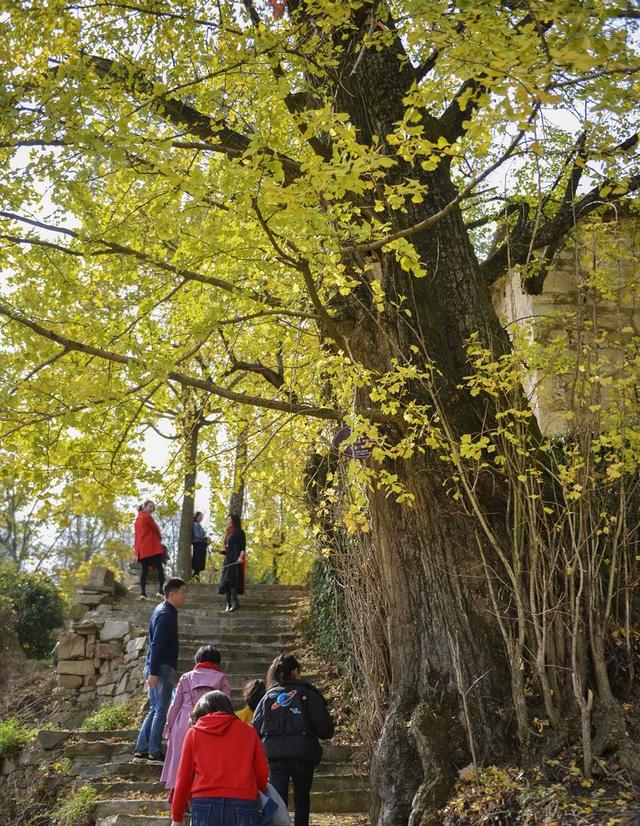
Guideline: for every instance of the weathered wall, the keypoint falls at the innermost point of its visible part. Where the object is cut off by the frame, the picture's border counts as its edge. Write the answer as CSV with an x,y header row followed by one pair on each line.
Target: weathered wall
x,y
599,252
101,657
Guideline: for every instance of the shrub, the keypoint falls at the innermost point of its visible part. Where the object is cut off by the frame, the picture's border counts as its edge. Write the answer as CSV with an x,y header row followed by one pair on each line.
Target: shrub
x,y
37,606
13,738
329,626
79,809
110,717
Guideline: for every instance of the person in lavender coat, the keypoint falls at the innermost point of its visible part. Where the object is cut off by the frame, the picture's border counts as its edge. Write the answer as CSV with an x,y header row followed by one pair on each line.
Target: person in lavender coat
x,y
206,676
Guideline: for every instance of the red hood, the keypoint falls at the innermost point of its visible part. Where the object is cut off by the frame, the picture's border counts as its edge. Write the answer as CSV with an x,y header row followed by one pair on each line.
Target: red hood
x,y
217,723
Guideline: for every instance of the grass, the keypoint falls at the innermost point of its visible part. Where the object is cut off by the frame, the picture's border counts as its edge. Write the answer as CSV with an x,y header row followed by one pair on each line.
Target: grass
x,y
14,736
79,809
110,717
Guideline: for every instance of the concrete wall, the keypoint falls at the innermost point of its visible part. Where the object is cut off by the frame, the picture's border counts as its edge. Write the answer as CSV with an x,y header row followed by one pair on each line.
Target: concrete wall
x,y
593,287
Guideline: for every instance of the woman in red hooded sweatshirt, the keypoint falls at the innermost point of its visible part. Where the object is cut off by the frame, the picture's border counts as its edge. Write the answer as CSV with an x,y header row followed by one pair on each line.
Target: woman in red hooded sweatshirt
x,y
222,767
147,546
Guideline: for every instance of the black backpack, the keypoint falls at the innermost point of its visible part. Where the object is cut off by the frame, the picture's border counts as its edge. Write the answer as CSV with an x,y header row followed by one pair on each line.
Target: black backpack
x,y
285,712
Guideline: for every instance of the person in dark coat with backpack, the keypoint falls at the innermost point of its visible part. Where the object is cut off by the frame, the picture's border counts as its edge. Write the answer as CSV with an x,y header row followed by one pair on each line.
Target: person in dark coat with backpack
x,y
235,547
291,718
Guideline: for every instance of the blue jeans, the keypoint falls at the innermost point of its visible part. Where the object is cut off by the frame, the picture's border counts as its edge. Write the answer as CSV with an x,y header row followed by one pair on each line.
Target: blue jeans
x,y
223,811
150,737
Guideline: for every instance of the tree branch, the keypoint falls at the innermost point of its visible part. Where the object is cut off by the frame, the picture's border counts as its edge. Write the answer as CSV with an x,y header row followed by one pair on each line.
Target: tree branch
x,y
69,344
112,247
529,236
324,318
267,373
428,65
39,242
297,104
119,249
170,15
215,133
452,119
371,246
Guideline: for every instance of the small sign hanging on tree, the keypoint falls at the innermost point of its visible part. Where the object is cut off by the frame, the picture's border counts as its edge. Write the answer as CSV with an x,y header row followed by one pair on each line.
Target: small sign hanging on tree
x,y
356,450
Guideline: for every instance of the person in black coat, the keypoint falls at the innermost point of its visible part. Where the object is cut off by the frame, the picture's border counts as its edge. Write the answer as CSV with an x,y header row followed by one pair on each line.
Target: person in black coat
x,y
235,545
290,719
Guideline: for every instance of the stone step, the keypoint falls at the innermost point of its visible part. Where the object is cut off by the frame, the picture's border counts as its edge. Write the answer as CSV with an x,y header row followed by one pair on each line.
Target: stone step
x,y
334,776
130,774
139,806
343,800
216,603
242,670
234,646
249,657
136,820
317,819
236,621
248,609
120,768
247,629
104,755
127,734
216,608
331,753
141,611
204,593
190,640
239,640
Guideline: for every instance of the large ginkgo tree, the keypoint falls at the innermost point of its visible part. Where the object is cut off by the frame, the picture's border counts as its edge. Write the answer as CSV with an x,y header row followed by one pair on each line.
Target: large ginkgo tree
x,y
285,206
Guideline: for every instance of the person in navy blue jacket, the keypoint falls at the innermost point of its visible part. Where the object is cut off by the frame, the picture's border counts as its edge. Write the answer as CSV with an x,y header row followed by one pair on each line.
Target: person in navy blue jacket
x,y
161,670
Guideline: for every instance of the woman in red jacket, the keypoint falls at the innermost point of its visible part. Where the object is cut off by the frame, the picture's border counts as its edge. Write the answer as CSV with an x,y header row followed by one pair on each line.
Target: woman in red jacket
x,y
222,767
147,546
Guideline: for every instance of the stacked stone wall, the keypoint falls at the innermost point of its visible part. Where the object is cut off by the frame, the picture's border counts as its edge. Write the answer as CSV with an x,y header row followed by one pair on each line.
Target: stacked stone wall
x,y
101,656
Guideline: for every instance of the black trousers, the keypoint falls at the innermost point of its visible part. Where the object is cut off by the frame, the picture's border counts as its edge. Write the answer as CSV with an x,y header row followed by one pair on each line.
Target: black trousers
x,y
301,773
151,562
199,557
232,598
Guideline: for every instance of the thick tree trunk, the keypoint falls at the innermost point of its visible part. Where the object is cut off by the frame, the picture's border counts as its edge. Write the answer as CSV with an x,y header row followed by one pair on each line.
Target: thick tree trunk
x,y
236,500
427,557
432,589
183,567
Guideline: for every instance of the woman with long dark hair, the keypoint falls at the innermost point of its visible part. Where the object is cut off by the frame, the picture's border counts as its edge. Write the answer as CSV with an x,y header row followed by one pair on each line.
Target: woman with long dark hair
x,y
222,767
232,580
290,718
252,693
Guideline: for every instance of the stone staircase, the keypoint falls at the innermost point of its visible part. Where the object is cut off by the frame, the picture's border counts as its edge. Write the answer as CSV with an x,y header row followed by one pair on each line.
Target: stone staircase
x,y
130,794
